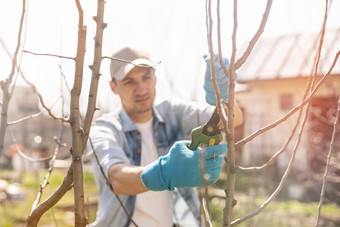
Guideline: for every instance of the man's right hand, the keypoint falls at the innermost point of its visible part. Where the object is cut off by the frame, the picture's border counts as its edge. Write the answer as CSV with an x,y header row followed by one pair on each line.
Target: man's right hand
x,y
181,167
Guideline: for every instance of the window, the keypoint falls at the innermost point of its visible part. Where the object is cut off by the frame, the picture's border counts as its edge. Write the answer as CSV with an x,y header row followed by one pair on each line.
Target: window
x,y
286,101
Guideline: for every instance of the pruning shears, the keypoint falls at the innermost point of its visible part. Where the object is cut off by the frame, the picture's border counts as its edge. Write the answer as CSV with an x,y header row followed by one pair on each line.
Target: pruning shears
x,y
208,134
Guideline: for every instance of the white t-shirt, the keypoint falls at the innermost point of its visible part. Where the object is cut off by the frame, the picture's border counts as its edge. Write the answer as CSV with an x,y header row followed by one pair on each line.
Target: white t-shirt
x,y
152,209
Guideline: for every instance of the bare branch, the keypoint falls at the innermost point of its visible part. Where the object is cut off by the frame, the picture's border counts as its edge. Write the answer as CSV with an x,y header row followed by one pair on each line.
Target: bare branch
x,y
331,148
283,179
209,25
231,155
219,43
33,219
205,209
129,62
50,55
23,155
51,164
64,78
31,116
75,118
91,105
257,35
6,96
275,156
108,182
309,88
25,118
42,102
290,113
47,177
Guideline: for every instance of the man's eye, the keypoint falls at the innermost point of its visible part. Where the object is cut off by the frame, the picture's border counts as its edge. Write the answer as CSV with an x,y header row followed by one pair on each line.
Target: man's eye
x,y
128,82
147,77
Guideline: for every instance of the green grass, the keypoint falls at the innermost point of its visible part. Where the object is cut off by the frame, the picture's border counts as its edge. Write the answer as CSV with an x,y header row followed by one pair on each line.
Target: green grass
x,y
277,214
15,212
286,213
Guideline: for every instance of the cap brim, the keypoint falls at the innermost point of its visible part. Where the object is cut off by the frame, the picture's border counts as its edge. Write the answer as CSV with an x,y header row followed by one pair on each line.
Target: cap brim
x,y
140,62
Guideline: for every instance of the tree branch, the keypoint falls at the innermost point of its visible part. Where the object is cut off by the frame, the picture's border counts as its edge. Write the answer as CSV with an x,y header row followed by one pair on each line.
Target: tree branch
x,y
290,113
309,88
50,55
77,133
108,182
49,173
284,177
42,102
331,148
31,116
282,182
91,105
6,96
33,219
231,155
257,35
23,155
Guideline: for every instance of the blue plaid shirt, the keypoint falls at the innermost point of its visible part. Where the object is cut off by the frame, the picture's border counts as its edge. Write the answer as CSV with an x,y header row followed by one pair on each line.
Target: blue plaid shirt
x,y
117,140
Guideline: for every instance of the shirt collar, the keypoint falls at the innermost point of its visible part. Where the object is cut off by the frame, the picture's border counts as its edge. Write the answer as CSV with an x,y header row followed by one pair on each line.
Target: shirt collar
x,y
129,125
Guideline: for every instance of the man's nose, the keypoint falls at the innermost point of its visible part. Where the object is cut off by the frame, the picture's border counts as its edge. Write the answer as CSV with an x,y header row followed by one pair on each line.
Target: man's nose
x,y
140,88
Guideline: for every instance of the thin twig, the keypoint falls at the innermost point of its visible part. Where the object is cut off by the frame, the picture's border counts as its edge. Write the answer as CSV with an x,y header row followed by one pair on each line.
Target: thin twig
x,y
257,35
95,68
23,155
209,25
25,118
42,102
130,62
21,55
275,156
331,148
49,173
31,116
289,167
219,43
108,182
282,181
205,209
309,88
49,55
203,191
290,113
56,151
64,78
6,96
33,219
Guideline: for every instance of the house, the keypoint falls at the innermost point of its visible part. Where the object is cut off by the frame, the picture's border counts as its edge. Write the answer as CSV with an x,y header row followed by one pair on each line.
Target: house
x,y
35,134
275,77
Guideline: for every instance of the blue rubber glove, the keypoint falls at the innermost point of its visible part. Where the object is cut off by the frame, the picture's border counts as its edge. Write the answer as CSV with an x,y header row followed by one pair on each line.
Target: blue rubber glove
x,y
221,78
181,167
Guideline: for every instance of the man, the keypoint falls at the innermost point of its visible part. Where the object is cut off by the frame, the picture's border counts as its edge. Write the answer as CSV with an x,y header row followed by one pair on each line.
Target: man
x,y
140,150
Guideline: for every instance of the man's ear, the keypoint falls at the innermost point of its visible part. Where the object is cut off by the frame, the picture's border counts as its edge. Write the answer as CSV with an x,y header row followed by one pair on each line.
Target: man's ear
x,y
113,87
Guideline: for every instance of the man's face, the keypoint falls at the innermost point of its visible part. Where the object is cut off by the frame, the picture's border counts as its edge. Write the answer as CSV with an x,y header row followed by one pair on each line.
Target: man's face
x,y
137,91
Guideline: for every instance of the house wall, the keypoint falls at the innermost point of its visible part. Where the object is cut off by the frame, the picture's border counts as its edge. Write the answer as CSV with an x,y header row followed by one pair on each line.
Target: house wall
x,y
263,105
25,103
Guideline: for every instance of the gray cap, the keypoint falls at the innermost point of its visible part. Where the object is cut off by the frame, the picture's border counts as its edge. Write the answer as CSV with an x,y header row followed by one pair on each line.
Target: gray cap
x,y
126,59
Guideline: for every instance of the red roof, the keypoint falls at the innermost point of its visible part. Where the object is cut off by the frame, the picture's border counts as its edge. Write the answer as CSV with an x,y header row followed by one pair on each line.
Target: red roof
x,y
290,56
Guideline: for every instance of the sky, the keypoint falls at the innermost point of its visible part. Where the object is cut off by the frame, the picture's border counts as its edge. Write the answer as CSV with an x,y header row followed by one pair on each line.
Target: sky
x,y
173,31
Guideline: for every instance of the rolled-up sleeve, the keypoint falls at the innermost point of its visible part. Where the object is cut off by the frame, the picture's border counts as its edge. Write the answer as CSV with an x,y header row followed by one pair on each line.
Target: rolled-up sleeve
x,y
106,144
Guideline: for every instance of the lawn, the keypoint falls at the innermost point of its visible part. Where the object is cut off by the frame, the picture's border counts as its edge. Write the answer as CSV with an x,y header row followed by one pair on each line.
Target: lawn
x,y
278,213
15,212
